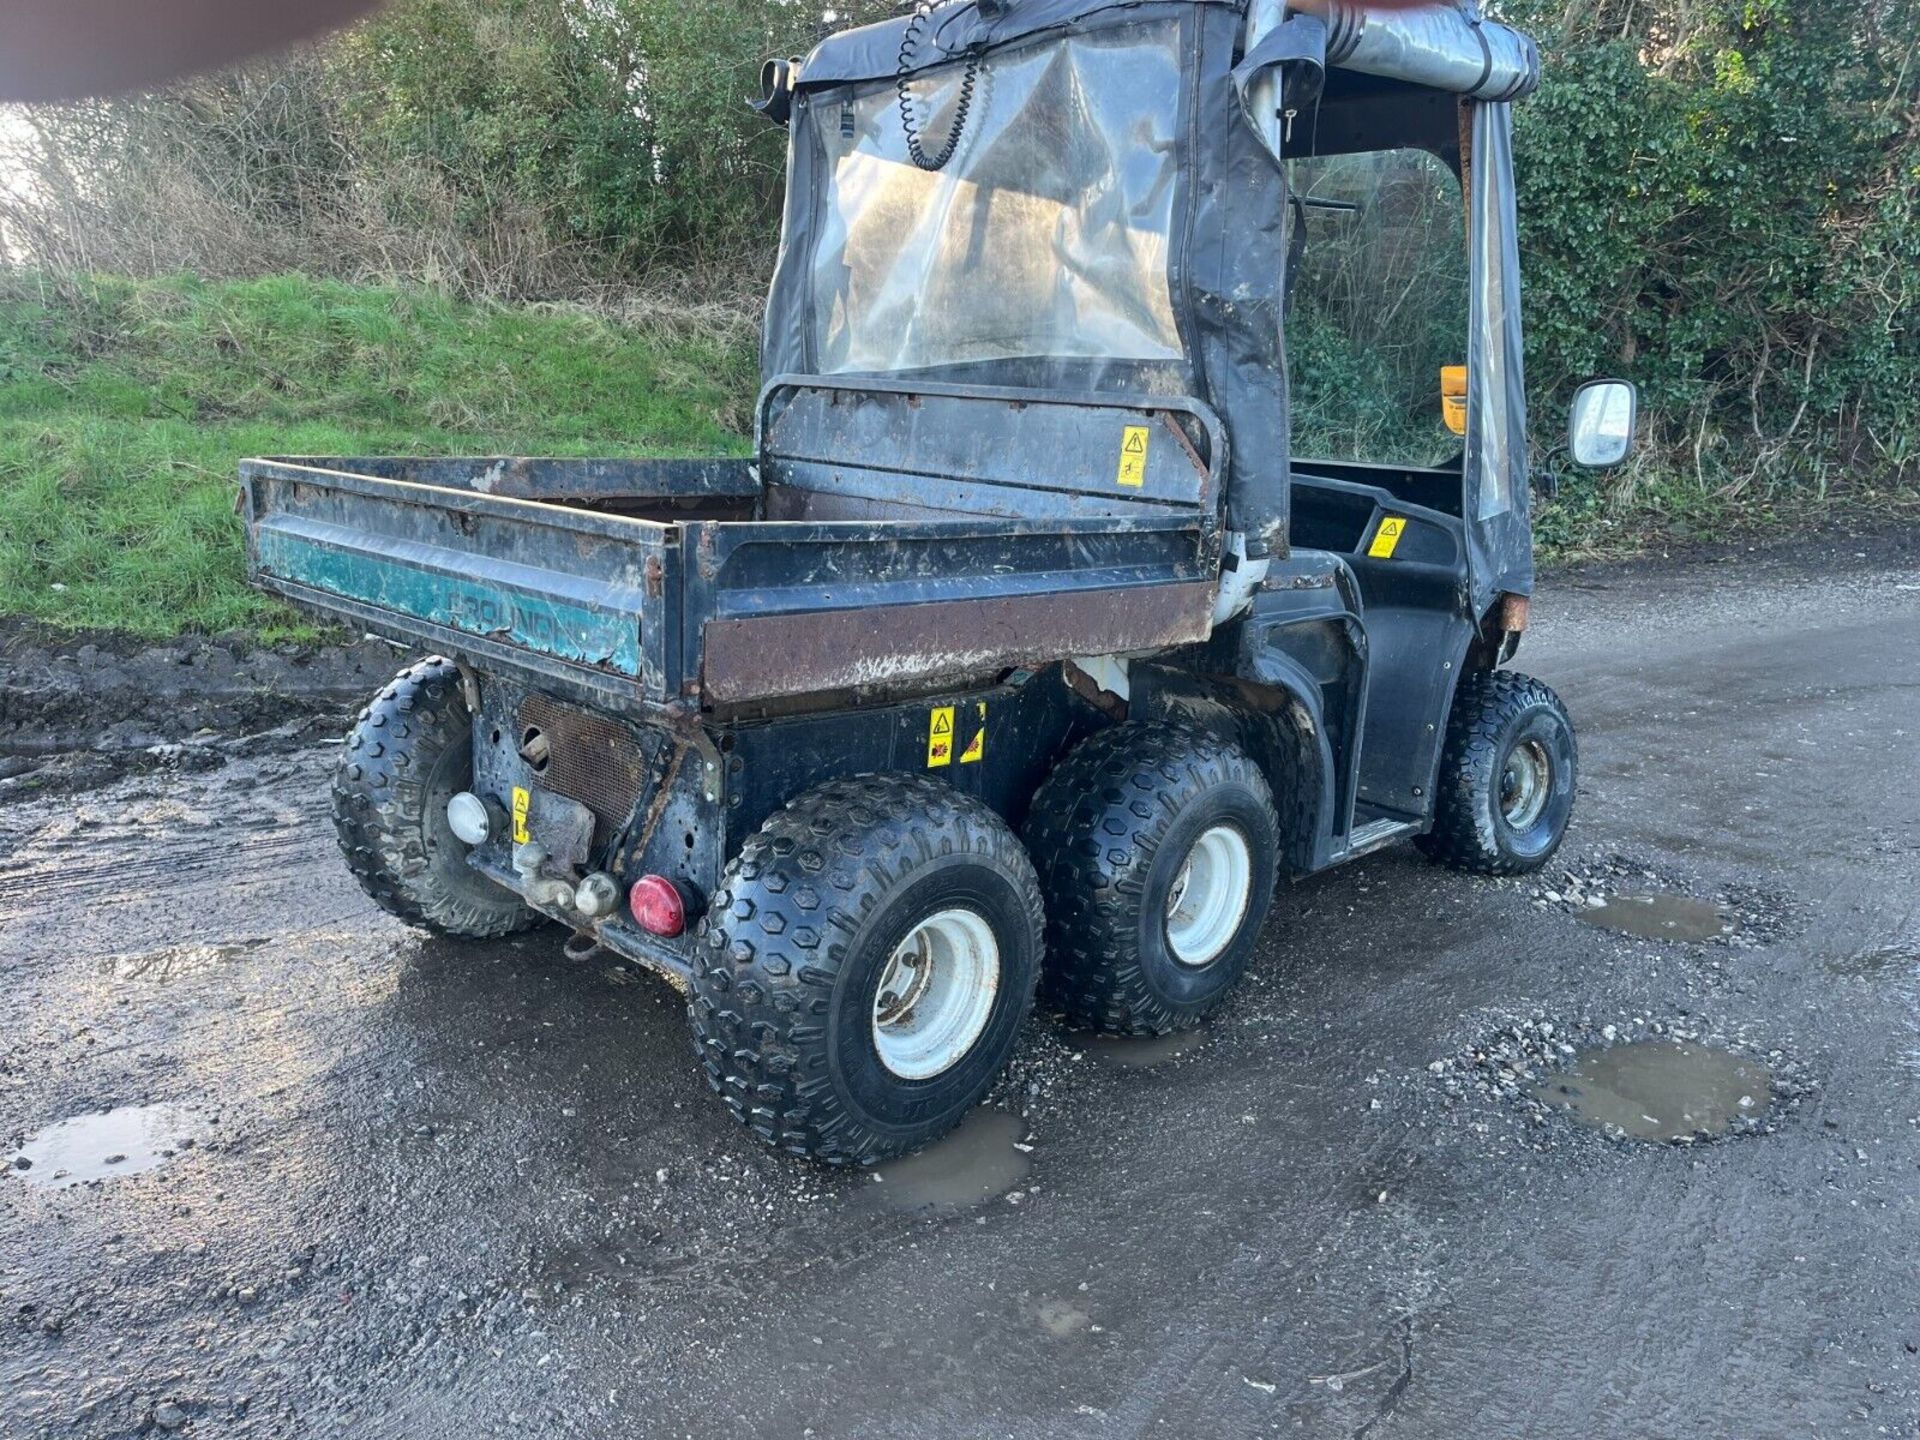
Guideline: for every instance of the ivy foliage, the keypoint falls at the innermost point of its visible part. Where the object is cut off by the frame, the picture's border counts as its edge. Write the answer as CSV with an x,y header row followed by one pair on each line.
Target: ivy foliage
x,y
624,122
1718,201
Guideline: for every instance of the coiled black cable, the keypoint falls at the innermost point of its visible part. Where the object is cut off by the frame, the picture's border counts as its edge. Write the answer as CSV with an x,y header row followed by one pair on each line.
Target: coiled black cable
x,y
909,106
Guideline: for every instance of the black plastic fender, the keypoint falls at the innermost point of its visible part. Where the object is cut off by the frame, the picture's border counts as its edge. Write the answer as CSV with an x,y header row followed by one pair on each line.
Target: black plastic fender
x,y
1305,639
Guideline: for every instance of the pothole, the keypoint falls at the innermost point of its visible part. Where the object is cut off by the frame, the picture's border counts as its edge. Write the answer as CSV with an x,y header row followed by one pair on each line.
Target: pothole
x,y
1662,917
1135,1053
1642,1077
1661,1090
90,1149
1631,897
1871,964
980,1161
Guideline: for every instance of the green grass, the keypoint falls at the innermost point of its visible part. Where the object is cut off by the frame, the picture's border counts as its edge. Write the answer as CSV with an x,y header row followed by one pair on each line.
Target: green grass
x,y
126,406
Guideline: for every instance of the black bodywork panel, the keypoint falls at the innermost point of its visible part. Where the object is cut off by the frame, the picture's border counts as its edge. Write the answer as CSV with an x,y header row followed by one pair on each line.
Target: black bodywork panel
x,y
681,803
1417,621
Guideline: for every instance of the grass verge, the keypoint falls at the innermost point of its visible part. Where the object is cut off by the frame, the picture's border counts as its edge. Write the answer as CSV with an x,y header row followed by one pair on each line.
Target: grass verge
x,y
126,406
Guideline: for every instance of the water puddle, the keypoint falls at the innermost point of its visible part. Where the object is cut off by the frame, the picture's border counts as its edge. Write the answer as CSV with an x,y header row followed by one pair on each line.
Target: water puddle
x,y
1135,1053
1660,1090
177,962
1662,917
1062,1319
1870,964
90,1148
977,1163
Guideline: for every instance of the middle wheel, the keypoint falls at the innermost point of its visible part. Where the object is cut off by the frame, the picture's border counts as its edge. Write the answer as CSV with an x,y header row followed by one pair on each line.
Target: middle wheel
x,y
1158,849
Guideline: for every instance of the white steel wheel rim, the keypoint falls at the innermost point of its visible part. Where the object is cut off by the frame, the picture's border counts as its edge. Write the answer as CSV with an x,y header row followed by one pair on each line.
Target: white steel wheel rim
x,y
1526,783
1210,896
936,994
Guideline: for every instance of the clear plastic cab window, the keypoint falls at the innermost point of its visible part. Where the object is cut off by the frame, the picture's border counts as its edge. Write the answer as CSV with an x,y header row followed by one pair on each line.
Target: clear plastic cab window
x,y
1045,235
1377,329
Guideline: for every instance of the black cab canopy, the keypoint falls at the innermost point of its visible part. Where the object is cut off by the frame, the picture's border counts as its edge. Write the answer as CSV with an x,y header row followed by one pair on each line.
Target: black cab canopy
x,y
1088,197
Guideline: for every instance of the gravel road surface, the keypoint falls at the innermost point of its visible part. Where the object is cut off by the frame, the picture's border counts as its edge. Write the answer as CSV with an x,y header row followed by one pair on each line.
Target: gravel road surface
x,y
291,1169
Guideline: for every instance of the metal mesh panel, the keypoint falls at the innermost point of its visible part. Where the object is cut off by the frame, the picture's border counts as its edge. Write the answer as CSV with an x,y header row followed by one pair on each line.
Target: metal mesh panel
x,y
595,761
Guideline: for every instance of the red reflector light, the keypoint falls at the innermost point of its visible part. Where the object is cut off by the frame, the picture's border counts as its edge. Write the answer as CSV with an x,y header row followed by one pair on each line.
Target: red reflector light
x,y
657,907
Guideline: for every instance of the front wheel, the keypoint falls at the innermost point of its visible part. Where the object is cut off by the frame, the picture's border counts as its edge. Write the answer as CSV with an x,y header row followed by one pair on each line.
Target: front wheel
x,y
1159,849
865,967
1507,777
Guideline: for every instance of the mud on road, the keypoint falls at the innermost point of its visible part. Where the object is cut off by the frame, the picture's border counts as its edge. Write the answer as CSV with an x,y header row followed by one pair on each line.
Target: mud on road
x,y
328,1176
80,708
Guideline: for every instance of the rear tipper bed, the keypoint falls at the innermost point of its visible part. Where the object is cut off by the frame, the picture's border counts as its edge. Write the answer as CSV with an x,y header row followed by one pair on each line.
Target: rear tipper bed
x,y
689,586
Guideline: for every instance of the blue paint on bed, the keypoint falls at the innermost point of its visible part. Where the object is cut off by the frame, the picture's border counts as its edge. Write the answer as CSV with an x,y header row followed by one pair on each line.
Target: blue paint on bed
x,y
536,622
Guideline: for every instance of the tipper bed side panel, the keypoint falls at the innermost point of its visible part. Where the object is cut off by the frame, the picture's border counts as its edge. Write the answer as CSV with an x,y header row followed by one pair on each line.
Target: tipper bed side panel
x,y
936,535
620,485
576,598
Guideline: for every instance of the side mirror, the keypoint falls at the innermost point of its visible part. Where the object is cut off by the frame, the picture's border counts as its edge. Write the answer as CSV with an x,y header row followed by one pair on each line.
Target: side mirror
x,y
1600,433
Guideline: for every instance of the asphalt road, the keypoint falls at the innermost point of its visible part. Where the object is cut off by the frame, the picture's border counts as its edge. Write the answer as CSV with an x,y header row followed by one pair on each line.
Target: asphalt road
x,y
441,1190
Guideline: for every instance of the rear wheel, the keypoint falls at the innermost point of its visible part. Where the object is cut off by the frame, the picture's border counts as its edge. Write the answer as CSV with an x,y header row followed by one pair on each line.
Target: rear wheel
x,y
1507,777
865,967
1159,849
409,754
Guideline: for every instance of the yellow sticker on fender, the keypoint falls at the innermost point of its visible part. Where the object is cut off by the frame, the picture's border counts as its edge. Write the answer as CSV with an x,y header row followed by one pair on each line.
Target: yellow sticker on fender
x,y
1133,456
940,738
977,747
1386,539
522,803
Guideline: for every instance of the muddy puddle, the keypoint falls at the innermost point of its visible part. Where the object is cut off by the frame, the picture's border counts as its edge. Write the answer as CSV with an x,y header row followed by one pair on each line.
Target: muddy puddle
x,y
87,1149
978,1162
177,962
1871,964
1660,1090
1662,917
1134,1053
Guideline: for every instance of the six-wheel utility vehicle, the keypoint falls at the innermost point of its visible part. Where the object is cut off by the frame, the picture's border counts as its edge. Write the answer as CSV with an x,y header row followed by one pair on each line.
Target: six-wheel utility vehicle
x,y
1038,638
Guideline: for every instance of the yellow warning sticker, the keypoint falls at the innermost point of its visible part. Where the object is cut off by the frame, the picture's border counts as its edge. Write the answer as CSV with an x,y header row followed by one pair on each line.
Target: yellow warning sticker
x,y
1386,539
940,738
976,750
522,803
1133,456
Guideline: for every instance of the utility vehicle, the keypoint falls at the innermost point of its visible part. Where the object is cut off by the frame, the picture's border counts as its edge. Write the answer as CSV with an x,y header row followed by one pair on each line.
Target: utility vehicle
x,y
1049,625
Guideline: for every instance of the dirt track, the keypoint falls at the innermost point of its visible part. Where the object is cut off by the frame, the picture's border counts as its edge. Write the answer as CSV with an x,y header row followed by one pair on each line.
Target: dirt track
x,y
80,708
438,1190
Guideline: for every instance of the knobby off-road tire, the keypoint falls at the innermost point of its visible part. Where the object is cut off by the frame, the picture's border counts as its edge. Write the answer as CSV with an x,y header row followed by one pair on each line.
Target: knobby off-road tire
x,y
411,752
1507,776
788,1011
1113,831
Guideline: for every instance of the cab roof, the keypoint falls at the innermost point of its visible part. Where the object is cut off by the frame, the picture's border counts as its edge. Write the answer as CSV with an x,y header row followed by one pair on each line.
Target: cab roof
x,y
1442,45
